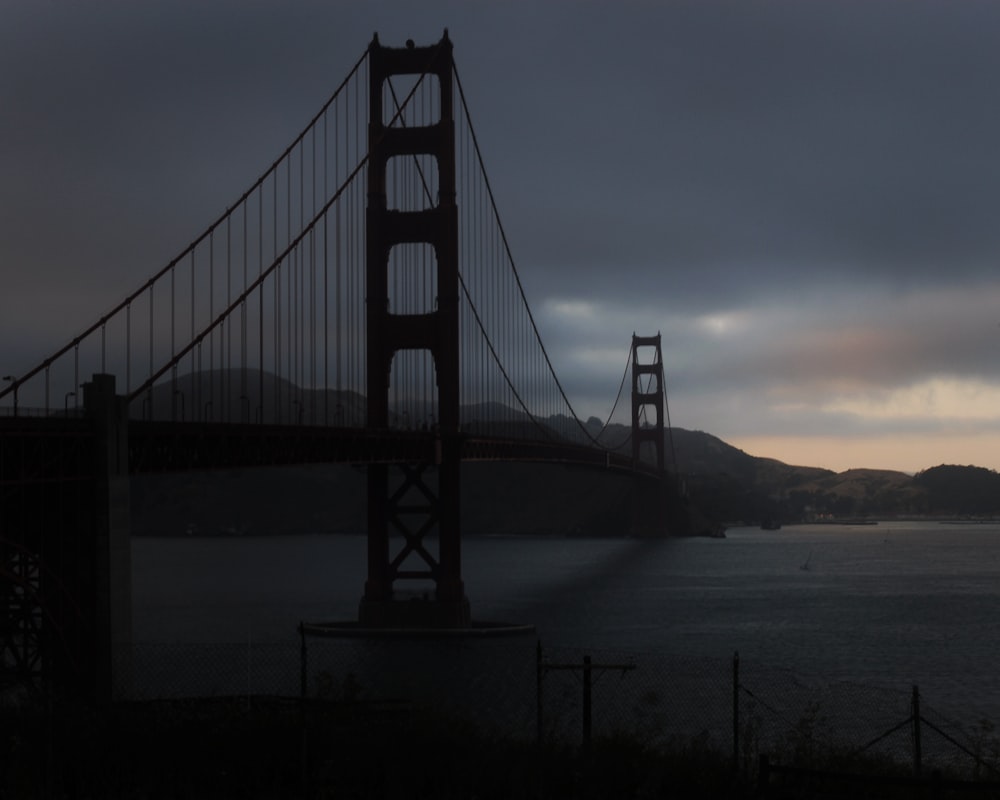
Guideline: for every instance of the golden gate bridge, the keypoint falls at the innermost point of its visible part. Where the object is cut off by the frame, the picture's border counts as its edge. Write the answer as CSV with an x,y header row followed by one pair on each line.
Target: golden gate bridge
x,y
358,303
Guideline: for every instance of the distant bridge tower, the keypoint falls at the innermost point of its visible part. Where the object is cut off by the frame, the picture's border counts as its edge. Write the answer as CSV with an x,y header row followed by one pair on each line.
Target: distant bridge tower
x,y
648,396
427,495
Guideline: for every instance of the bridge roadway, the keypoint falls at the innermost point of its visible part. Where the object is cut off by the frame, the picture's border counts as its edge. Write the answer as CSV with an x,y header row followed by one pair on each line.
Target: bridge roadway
x,y
162,446
174,446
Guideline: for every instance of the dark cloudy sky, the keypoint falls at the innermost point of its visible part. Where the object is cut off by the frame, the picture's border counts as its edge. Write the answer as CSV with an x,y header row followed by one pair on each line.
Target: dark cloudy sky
x,y
803,197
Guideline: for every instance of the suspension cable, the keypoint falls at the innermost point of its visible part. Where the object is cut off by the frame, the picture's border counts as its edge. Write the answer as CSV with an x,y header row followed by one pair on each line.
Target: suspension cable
x,y
475,312
275,264
510,257
618,397
208,232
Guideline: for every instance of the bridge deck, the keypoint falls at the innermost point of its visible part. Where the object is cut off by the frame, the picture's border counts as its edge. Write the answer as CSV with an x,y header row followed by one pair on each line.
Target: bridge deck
x,y
180,446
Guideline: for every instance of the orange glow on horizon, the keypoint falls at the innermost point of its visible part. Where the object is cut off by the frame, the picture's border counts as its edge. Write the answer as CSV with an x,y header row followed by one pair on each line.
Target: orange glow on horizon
x,y
903,453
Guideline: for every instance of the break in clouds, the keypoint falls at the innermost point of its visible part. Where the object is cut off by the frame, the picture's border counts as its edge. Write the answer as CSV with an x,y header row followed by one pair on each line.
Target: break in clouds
x,y
802,197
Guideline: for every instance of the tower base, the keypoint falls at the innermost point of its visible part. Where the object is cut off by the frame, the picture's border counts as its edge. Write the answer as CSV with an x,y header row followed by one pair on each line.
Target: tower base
x,y
414,612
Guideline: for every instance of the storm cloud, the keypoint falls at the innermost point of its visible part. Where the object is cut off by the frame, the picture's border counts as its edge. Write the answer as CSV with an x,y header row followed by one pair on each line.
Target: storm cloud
x,y
801,197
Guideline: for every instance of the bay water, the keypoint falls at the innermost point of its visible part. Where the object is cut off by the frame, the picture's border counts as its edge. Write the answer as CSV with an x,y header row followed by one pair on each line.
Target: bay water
x,y
890,605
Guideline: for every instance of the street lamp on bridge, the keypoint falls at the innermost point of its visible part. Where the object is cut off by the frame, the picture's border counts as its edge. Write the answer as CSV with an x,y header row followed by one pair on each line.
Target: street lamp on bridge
x,y
66,402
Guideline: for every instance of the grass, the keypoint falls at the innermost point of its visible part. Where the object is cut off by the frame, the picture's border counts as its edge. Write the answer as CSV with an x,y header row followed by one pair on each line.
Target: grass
x,y
279,749
342,746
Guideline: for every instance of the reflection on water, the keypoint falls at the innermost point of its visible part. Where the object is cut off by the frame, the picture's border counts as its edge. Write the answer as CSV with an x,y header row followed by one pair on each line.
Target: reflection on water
x,y
888,605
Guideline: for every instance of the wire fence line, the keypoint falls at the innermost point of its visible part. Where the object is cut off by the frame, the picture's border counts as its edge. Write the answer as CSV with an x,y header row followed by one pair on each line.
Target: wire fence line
x,y
512,687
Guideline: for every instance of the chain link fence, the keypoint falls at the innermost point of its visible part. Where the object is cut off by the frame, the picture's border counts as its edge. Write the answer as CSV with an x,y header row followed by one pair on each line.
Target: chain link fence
x,y
510,686
838,725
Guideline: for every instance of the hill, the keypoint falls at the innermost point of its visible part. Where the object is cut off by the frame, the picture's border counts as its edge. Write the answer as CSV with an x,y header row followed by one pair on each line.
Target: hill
x,y
739,487
502,498
723,482
962,491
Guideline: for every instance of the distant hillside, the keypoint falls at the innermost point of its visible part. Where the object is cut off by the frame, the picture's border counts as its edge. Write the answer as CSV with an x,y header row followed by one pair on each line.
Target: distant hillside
x,y
736,486
723,482
501,498
949,489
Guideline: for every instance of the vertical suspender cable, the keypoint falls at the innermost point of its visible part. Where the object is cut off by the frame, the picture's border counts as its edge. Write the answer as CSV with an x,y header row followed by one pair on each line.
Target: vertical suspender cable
x,y
278,327
312,289
351,260
244,398
276,293
151,363
326,287
211,315
290,292
128,348
228,366
348,294
173,370
299,355
260,301
288,277
478,239
193,399
359,128
337,321
311,327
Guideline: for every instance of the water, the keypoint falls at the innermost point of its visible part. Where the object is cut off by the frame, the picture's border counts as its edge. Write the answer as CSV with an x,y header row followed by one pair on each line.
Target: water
x,y
889,605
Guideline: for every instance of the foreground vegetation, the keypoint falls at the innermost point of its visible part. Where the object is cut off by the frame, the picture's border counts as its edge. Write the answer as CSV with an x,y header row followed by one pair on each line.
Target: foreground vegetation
x,y
263,747
272,748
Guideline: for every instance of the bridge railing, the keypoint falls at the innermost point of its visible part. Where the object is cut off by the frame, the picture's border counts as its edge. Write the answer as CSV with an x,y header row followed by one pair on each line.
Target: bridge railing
x,y
38,413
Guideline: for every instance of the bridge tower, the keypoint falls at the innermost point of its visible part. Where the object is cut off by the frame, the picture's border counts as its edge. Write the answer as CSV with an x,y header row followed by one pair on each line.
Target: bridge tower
x,y
433,483
651,502
646,397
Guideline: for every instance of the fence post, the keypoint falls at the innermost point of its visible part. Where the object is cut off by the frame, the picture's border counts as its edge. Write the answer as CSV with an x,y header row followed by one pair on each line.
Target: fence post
x,y
303,663
538,690
303,728
249,667
736,711
48,776
763,774
587,688
915,716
